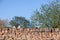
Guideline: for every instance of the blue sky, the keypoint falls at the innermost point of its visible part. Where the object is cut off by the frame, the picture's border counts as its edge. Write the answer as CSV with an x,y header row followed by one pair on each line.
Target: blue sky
x,y
25,8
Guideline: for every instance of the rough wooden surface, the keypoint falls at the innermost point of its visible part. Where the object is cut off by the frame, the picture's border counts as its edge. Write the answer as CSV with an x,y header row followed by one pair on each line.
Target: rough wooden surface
x,y
29,34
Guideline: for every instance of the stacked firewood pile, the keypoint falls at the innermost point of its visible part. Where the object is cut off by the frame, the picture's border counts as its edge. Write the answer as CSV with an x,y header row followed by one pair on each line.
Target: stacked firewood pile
x,y
29,34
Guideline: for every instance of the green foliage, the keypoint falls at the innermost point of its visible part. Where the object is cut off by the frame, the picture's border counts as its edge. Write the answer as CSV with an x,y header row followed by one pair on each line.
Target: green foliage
x,y
19,21
49,16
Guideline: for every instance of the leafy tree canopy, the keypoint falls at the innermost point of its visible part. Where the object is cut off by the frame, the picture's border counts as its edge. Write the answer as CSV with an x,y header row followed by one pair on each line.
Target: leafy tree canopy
x,y
49,16
19,21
